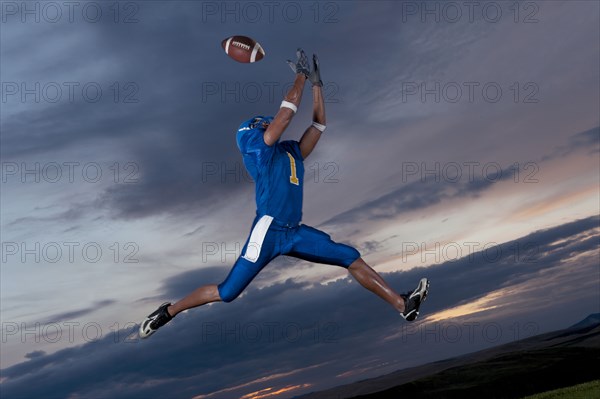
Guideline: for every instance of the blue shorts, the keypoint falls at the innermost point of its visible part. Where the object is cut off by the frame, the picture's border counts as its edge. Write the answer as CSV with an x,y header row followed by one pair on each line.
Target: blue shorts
x,y
270,238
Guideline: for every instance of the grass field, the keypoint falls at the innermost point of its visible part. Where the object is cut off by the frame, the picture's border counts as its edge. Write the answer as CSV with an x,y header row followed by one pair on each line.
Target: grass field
x,y
561,364
588,390
508,376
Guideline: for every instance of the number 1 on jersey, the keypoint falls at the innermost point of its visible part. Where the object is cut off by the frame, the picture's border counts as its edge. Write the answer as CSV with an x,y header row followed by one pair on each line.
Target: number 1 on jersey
x,y
293,177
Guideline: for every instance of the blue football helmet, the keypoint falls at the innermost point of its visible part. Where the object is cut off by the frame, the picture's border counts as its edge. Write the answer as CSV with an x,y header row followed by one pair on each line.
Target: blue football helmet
x,y
258,122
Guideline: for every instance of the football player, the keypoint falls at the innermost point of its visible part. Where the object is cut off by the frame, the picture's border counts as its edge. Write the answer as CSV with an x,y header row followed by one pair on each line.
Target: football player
x,y
277,168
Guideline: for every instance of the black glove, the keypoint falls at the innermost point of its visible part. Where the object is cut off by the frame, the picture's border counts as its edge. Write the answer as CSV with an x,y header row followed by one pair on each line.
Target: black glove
x,y
301,65
315,75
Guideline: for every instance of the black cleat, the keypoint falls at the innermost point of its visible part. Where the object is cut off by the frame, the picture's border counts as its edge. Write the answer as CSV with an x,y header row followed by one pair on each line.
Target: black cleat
x,y
155,320
412,301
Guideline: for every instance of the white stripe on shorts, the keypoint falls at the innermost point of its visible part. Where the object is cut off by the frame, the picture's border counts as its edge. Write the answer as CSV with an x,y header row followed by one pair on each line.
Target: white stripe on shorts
x,y
256,238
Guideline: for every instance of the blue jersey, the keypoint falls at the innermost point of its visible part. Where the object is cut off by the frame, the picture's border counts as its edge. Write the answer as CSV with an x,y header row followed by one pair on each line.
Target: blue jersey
x,y
278,172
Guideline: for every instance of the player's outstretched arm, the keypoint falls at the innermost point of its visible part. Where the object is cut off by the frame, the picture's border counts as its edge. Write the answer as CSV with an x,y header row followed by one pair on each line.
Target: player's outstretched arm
x,y
313,133
292,99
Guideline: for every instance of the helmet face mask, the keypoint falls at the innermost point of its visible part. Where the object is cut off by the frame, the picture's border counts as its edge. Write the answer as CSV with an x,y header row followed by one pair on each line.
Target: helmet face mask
x,y
261,122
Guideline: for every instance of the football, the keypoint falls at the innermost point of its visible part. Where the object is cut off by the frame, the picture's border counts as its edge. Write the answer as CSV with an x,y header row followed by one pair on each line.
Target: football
x,y
243,49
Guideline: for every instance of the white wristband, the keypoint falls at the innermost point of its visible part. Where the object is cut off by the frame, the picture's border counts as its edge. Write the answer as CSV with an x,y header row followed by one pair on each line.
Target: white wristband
x,y
319,127
289,105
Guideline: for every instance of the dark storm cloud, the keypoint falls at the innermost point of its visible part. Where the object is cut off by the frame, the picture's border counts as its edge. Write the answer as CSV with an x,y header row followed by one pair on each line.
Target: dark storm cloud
x,y
200,351
170,131
420,194
178,131
44,131
589,139
195,231
430,190
188,281
34,354
60,317
71,214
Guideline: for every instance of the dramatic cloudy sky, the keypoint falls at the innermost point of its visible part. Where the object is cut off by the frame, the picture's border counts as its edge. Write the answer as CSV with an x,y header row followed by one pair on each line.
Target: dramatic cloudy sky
x,y
462,145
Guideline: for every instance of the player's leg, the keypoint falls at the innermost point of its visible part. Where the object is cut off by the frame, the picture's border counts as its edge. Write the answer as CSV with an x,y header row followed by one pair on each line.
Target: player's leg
x,y
200,296
241,274
260,248
407,304
316,246
371,280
